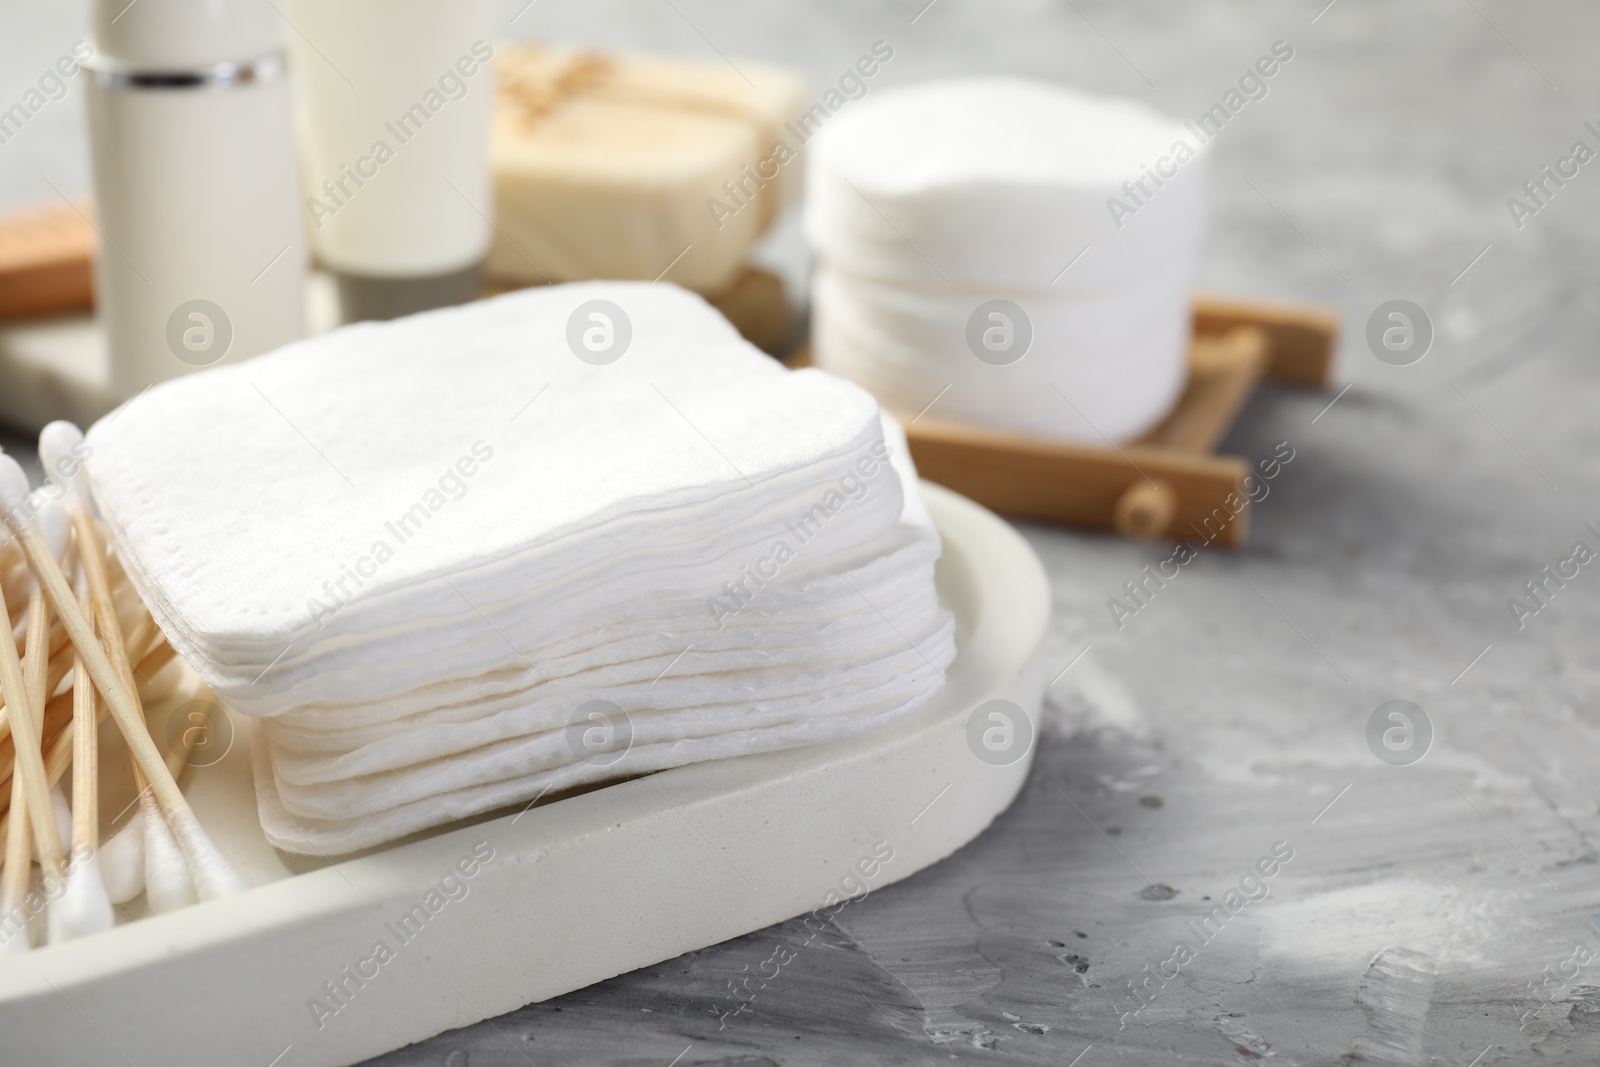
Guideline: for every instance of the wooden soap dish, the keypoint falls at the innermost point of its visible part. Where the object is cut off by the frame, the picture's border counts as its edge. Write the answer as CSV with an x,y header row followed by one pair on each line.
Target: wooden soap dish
x,y
1169,483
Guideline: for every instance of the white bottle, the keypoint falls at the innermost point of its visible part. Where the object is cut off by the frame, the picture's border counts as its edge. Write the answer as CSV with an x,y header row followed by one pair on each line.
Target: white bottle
x,y
394,99
202,256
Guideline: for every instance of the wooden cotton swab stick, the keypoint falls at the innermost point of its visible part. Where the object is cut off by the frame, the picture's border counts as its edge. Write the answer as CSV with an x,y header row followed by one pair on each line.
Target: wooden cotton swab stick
x,y
156,654
54,533
85,907
212,873
58,667
85,751
19,865
14,890
30,790
59,448
122,856
141,634
53,523
36,670
169,881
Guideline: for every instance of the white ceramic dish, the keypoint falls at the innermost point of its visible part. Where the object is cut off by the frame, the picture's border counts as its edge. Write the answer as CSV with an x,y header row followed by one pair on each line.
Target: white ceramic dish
x,y
559,896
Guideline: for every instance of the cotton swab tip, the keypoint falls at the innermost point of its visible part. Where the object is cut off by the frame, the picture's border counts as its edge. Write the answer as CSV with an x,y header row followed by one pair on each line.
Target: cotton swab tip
x,y
213,875
85,907
63,817
61,452
62,812
167,884
15,941
14,493
55,526
122,860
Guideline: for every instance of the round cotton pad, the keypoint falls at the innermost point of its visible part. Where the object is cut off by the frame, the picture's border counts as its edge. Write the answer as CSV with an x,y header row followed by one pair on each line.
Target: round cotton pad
x,y
1000,252
1001,183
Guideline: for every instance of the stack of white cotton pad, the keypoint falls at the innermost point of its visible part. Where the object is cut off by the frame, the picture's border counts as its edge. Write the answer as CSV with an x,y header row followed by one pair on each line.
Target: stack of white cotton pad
x,y
1029,247
454,566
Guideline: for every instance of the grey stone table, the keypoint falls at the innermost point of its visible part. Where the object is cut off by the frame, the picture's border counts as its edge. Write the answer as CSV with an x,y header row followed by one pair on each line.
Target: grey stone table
x,y
1442,912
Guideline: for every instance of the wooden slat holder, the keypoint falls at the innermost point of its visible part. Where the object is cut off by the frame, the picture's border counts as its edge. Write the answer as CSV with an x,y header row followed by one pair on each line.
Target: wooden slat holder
x,y
1169,483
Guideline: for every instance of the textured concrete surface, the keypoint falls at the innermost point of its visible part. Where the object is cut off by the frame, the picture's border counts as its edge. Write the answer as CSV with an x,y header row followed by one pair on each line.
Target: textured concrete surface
x,y
1437,913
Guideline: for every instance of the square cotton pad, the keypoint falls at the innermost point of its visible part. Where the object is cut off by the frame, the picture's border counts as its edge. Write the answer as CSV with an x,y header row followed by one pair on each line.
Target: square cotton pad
x,y
426,552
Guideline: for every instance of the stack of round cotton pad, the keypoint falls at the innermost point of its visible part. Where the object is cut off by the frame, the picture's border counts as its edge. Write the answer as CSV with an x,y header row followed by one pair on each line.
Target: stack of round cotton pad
x,y
1018,250
461,560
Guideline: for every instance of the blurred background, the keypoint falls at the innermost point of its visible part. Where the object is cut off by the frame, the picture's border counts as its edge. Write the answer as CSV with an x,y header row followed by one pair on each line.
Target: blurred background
x,y
1390,144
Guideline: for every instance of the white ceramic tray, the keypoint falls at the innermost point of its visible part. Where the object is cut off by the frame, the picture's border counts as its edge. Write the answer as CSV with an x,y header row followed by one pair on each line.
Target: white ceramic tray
x,y
559,896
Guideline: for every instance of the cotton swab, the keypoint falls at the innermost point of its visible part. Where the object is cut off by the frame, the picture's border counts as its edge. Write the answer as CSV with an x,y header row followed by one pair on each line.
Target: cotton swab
x,y
212,873
61,812
30,791
126,847
169,881
122,858
85,907
53,524
56,667
143,636
27,742
60,755
59,447
14,880
168,884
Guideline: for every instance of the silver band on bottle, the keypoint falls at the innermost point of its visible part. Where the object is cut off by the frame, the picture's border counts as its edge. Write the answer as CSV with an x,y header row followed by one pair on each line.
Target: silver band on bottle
x,y
110,74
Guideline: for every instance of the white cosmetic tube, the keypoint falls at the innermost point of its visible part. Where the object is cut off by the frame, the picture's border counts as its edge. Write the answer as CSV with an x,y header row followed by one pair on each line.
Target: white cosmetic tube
x,y
202,256
394,102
